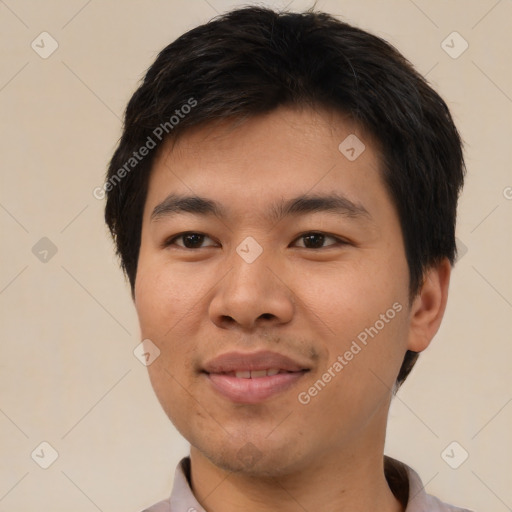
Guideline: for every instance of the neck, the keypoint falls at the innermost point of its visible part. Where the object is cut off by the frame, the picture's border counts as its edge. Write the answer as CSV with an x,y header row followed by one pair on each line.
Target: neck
x,y
337,481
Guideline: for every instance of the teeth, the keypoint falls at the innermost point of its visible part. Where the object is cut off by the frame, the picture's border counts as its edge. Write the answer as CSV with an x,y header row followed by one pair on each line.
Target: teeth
x,y
255,374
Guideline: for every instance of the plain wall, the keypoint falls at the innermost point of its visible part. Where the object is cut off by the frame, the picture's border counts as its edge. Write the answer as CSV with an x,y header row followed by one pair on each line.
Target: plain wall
x,y
68,374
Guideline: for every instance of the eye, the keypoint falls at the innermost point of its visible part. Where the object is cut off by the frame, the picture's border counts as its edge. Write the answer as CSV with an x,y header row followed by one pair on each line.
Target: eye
x,y
190,240
317,240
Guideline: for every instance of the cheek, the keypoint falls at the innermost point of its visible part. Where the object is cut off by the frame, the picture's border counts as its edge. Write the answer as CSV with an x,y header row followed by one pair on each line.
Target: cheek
x,y
166,302
163,297
356,379
170,388
345,299
360,312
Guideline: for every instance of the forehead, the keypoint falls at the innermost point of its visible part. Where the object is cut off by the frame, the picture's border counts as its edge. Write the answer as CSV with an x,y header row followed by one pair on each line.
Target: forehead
x,y
268,158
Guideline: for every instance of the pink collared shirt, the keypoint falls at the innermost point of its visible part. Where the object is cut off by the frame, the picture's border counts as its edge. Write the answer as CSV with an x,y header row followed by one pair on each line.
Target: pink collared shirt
x,y
404,481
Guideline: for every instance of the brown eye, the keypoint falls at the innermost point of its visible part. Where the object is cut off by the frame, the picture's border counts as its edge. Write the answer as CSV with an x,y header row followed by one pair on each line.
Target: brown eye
x,y
191,240
315,240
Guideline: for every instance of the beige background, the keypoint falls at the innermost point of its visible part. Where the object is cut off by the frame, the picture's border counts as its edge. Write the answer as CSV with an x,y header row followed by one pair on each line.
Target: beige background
x,y
68,374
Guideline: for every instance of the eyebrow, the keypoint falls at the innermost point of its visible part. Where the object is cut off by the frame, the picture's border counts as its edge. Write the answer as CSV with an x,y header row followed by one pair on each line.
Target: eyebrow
x,y
301,205
174,203
332,203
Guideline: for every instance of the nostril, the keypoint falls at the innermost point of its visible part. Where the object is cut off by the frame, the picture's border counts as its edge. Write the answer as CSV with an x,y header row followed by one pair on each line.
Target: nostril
x,y
267,316
228,320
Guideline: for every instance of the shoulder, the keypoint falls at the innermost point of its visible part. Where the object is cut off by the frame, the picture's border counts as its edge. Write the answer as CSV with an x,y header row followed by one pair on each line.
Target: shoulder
x,y
161,506
435,504
182,498
409,489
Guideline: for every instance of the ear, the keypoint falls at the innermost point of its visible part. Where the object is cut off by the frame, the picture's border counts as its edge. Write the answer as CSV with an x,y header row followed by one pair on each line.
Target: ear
x,y
428,306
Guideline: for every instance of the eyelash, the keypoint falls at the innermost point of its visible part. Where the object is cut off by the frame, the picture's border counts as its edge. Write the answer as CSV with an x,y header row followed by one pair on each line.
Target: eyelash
x,y
338,241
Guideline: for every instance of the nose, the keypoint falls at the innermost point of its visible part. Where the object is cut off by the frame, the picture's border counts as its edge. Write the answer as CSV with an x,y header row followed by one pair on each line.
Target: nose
x,y
251,296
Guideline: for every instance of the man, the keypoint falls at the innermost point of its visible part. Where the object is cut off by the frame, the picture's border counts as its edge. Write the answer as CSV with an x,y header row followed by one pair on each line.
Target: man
x,y
283,201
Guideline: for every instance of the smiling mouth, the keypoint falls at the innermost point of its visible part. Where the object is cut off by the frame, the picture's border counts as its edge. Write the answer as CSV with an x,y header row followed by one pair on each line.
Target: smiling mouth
x,y
255,374
250,378
253,386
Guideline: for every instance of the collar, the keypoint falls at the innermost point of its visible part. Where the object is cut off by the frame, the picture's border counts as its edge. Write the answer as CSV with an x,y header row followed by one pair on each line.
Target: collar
x,y
403,481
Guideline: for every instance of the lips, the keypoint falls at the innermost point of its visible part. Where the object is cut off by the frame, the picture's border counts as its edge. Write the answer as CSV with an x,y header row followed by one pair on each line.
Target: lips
x,y
255,374
253,378
242,361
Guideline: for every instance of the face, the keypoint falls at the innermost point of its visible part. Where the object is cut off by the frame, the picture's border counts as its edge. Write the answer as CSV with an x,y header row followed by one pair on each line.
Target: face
x,y
272,278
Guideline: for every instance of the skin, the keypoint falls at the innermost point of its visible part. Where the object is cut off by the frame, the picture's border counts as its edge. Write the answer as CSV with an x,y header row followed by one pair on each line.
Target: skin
x,y
307,302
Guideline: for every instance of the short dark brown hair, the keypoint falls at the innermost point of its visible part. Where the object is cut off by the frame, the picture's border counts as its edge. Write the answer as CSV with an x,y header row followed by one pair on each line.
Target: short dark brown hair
x,y
253,60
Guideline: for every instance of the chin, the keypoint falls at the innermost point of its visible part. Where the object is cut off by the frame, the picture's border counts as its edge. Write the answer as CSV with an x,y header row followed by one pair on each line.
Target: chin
x,y
253,458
